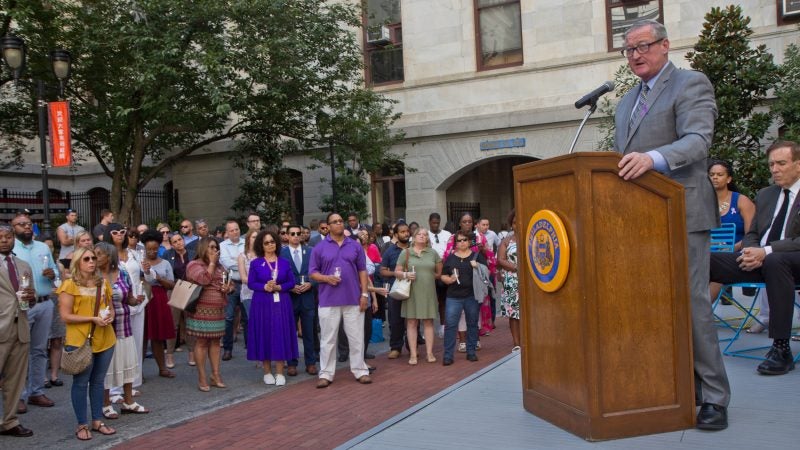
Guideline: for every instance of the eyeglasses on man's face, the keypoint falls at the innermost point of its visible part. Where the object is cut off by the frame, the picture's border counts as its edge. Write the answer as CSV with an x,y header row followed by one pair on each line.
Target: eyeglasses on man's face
x,y
642,48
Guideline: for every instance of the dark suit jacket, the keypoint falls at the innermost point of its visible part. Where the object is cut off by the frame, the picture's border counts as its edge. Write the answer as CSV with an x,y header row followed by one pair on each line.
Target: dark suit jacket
x,y
9,305
286,253
679,124
766,203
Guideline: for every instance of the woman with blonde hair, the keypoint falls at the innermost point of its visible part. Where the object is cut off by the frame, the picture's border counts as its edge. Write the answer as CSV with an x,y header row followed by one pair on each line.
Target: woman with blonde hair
x,y
78,298
421,264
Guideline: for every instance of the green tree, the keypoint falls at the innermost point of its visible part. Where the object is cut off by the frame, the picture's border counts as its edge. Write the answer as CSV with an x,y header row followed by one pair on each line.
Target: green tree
x,y
787,94
624,81
741,74
155,80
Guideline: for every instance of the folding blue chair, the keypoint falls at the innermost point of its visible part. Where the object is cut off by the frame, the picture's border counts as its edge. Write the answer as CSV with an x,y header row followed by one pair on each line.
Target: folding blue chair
x,y
723,240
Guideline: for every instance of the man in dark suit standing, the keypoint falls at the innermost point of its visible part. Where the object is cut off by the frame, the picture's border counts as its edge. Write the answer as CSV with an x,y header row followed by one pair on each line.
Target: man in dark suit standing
x,y
14,332
771,252
305,308
666,123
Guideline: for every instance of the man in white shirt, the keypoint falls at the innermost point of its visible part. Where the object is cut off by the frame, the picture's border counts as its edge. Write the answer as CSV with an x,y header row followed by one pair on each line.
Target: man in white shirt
x,y
229,251
491,237
438,239
66,233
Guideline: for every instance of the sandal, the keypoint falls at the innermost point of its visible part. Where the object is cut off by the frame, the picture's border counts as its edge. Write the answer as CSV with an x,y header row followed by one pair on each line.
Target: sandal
x,y
431,359
104,429
109,413
85,429
133,408
217,384
135,393
117,399
166,373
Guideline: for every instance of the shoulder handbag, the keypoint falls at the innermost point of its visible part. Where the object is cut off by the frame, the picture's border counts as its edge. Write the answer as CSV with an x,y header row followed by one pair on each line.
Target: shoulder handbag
x,y
184,295
480,280
401,289
76,361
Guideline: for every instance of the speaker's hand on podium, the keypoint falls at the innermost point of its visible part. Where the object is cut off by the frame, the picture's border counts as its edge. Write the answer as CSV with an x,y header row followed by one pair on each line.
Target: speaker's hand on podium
x,y
633,165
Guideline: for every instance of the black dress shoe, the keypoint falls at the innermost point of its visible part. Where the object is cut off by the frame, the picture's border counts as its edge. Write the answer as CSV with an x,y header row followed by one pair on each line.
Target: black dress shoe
x,y
472,358
778,362
712,417
447,362
227,355
342,358
17,431
369,356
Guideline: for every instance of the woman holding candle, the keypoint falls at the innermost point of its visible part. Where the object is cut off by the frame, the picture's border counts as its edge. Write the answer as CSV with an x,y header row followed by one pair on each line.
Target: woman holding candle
x,y
158,324
422,265
78,298
457,275
125,364
207,322
272,325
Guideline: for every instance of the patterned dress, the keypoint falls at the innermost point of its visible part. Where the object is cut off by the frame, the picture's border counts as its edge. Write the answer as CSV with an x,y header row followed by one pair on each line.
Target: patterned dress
x,y
208,320
509,302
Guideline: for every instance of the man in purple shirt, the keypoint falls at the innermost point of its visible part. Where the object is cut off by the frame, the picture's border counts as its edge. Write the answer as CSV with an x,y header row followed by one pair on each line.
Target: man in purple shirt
x,y
339,266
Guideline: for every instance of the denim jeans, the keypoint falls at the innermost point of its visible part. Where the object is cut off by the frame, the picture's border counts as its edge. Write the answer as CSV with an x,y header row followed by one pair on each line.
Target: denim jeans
x,y
90,380
453,309
234,301
40,319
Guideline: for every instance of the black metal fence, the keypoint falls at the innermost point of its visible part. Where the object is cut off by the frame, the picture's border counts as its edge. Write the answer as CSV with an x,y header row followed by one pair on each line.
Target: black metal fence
x,y
455,209
151,205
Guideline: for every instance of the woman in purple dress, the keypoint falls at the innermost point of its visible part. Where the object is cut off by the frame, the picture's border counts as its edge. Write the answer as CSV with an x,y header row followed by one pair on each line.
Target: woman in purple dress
x,y
272,332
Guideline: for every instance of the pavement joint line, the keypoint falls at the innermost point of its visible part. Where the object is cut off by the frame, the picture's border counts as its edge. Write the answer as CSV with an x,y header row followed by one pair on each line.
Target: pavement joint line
x,y
388,423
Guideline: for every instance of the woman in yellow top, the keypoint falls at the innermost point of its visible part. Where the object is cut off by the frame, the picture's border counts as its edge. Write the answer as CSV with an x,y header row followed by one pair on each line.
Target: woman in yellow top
x,y
76,302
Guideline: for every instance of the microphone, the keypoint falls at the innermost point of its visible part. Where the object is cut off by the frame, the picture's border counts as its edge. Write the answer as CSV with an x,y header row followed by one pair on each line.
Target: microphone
x,y
591,97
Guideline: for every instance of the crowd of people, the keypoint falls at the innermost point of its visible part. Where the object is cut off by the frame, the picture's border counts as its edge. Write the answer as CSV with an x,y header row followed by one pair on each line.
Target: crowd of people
x,y
326,285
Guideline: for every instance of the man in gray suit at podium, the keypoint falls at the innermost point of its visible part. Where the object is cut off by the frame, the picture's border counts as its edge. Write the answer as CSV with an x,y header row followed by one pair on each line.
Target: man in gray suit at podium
x,y
666,124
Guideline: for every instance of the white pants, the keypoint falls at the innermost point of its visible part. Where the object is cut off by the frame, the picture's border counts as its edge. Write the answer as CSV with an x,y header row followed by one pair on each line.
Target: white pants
x,y
353,319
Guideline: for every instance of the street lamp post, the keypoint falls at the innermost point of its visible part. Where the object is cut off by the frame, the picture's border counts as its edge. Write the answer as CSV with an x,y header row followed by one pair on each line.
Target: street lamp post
x,y
14,56
324,125
333,176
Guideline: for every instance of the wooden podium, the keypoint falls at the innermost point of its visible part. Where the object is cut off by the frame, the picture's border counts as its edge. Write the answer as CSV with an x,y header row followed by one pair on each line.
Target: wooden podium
x,y
609,354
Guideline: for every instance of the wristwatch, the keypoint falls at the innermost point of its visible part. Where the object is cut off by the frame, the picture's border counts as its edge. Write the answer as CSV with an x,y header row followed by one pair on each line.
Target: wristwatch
x,y
365,295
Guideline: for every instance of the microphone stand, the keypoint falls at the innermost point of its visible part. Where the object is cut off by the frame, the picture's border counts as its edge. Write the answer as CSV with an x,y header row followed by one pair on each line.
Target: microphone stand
x,y
592,108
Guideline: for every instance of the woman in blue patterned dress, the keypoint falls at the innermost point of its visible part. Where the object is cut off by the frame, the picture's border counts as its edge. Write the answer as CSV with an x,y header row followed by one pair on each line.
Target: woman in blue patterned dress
x,y
507,260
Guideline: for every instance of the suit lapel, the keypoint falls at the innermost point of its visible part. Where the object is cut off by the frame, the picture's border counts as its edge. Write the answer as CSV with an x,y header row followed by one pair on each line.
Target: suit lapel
x,y
652,98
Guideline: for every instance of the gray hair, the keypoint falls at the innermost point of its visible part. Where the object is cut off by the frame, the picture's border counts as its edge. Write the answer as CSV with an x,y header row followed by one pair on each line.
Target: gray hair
x,y
111,251
659,31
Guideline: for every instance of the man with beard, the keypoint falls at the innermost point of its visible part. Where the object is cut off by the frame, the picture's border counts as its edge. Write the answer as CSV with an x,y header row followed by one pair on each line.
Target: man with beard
x,y
40,316
397,325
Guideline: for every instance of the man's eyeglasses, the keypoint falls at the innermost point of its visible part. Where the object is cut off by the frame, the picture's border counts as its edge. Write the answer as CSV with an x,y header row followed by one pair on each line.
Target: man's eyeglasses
x,y
283,232
23,224
436,236
295,233
183,227
641,48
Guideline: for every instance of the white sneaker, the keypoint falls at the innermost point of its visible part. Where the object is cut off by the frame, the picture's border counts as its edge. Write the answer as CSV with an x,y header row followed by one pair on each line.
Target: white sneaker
x,y
478,345
462,347
280,380
270,379
516,349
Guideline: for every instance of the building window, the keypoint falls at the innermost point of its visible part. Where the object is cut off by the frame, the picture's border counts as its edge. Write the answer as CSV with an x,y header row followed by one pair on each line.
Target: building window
x,y
383,42
621,14
788,12
498,34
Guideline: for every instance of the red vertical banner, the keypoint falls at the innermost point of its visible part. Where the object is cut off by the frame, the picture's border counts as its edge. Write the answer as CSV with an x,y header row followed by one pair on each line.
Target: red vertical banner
x,y
59,133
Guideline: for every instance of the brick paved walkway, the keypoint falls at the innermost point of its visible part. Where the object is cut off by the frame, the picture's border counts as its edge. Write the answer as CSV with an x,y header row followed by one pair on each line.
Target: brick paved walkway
x,y
302,416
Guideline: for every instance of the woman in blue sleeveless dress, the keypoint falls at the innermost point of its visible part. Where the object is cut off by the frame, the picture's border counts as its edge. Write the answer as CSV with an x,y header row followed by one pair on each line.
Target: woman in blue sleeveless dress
x,y
734,207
